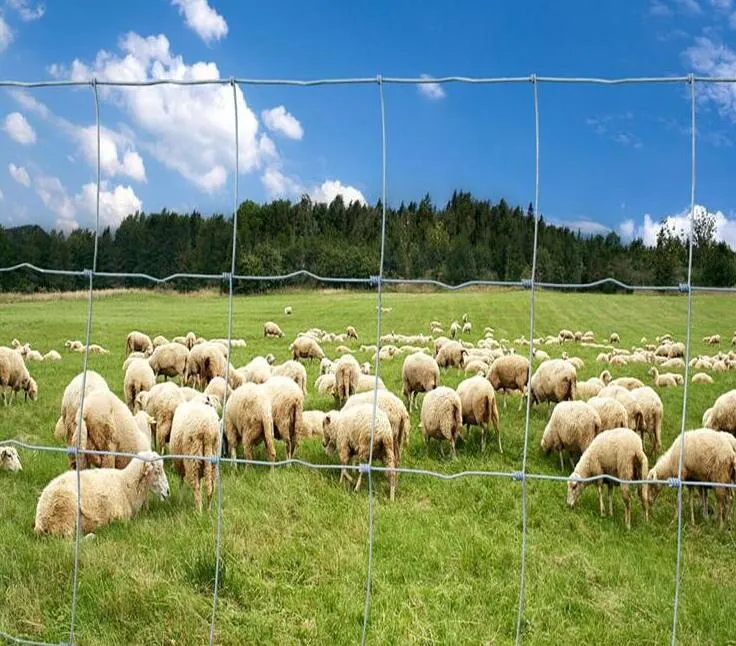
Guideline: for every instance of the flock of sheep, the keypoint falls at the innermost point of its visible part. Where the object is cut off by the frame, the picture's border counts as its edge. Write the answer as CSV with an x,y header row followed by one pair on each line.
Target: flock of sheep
x,y
599,423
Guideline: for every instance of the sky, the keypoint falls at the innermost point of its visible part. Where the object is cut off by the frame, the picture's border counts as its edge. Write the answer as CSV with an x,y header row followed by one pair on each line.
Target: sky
x,y
611,158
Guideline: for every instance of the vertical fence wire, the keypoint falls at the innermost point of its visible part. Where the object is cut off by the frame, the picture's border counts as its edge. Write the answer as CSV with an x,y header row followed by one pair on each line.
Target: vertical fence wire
x,y
522,568
379,318
218,464
88,334
678,562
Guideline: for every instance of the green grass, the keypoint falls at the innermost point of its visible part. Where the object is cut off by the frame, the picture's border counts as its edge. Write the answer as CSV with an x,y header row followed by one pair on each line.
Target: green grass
x,y
446,557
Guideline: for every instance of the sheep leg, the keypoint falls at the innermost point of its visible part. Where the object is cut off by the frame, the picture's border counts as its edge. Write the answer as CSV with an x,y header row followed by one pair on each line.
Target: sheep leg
x,y
644,502
482,436
610,497
704,496
562,462
498,435
599,484
692,509
454,452
720,494
626,495
358,483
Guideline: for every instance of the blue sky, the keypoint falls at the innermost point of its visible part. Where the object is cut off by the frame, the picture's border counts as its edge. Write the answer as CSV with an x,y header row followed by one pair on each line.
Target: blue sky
x,y
612,158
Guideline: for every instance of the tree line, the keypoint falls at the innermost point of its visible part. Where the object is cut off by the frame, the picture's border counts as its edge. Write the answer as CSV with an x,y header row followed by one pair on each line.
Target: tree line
x,y
465,239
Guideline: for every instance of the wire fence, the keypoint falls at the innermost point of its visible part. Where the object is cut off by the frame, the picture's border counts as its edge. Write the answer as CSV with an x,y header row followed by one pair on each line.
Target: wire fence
x,y
377,281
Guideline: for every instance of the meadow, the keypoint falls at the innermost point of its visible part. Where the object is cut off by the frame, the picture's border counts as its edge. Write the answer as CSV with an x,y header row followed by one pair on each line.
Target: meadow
x,y
294,542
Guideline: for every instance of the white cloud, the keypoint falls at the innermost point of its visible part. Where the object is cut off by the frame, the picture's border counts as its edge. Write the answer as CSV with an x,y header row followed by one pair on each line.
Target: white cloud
x,y
710,59
330,189
585,226
689,6
30,103
627,228
6,34
432,91
278,185
115,204
66,225
19,174
658,8
189,129
26,11
18,129
202,19
722,5
112,162
2,196
54,196
279,120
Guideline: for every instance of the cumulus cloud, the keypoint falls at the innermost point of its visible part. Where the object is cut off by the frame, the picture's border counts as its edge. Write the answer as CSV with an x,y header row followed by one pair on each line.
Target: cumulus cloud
x,y
6,34
18,129
19,174
54,196
709,58
278,185
279,120
202,19
26,10
66,225
330,189
585,226
188,129
430,90
115,204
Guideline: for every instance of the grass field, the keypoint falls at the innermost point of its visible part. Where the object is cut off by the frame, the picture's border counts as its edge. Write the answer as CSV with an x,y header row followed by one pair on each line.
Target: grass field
x,y
446,557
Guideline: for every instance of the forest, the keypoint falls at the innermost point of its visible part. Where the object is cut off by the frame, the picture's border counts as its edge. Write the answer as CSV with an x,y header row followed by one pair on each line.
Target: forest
x,y
465,239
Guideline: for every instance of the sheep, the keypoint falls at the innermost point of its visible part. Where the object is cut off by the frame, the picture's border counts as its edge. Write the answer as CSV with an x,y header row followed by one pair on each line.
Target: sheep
x,y
272,329
618,453
553,381
304,347
94,348
510,372
348,432
708,456
633,408
701,378
256,371
138,341
287,404
219,389
442,415
467,327
665,380
294,371
14,376
611,412
365,368
9,459
590,388
33,355
105,495
454,329
396,412
195,431
673,364
312,421
205,361
52,355
248,420
476,367
326,366
66,423
571,427
347,374
614,338
74,346
714,339
451,353
565,335
288,310
169,360
158,341
138,377
160,403
350,332
419,374
627,382
479,407
722,415
652,410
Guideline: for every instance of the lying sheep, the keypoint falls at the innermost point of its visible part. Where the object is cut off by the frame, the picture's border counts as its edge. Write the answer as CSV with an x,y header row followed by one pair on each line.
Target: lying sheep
x,y
195,431
701,378
105,495
248,421
272,329
618,453
665,380
611,412
572,427
33,355
305,347
419,374
9,459
348,432
510,372
553,381
479,408
396,412
169,360
52,355
442,416
14,376
138,377
74,346
138,342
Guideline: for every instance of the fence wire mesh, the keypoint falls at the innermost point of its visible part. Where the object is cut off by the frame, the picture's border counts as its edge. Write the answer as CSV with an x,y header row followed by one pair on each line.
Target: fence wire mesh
x,y
377,281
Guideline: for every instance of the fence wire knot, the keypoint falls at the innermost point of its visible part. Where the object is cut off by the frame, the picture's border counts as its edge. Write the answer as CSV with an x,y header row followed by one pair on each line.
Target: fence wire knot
x,y
374,280
684,288
526,283
674,482
87,273
364,467
518,476
71,450
226,276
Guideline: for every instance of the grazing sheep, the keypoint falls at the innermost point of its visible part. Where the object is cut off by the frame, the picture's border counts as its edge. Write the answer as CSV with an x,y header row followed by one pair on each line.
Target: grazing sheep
x,y
9,459
14,376
67,420
159,340
565,335
348,432
419,374
652,413
476,367
702,378
287,404
614,338
553,381
665,380
442,415
722,415
708,457
347,374
584,390
160,403
467,327
169,360
452,354
219,389
256,371
288,311
627,382
571,427
205,362
365,368
611,411
272,329
195,431
52,355
633,408
350,332
714,339
138,377
510,372
312,421
294,371
396,412
618,453
479,407
248,421
305,347
105,495
138,342
454,329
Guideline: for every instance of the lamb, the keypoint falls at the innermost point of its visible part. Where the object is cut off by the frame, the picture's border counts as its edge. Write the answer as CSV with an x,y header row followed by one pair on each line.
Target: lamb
x,y
287,405
67,420
52,355
350,332
618,453
169,360
510,372
349,433
106,495
160,403
584,390
347,374
288,310
248,421
272,329
205,362
305,347
708,457
257,370
294,371
665,380
451,353
396,412
479,407
572,427
652,413
138,341
553,381
611,411
442,416
14,376
702,378
9,459
312,421
33,355
419,374
467,327
138,377
195,431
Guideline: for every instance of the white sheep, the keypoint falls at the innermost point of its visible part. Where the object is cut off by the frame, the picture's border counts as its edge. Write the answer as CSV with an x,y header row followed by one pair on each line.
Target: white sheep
x,y
138,342
347,374
67,421
294,371
722,415
553,381
479,407
304,347
452,354
312,421
9,459
272,329
288,310
633,408
630,383
219,389
169,360
33,355
287,404
572,427
205,362
396,412
442,415
701,378
584,390
105,495
160,403
52,355
510,372
248,421
138,377
256,371
614,338
652,411
664,380
619,453
14,376
351,333
611,411
419,374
